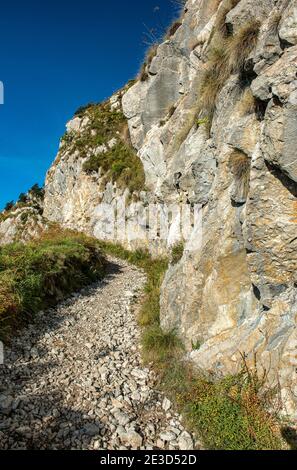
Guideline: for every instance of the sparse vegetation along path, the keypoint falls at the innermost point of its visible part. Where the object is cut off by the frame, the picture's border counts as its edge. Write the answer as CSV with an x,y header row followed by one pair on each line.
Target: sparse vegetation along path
x,y
73,379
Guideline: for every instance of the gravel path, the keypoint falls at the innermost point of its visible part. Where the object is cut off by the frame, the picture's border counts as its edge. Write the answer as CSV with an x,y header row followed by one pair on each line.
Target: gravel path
x,y
74,378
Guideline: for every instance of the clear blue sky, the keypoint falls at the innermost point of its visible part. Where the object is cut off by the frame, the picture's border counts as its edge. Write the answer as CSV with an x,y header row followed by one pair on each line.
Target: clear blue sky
x,y
55,57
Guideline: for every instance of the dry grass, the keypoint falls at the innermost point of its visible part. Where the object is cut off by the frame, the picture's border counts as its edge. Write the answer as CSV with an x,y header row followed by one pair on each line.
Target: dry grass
x,y
225,57
239,164
274,22
143,74
220,25
247,104
150,55
214,77
172,29
241,45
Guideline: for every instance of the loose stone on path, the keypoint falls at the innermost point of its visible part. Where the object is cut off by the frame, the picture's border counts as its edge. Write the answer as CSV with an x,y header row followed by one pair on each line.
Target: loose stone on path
x,y
74,379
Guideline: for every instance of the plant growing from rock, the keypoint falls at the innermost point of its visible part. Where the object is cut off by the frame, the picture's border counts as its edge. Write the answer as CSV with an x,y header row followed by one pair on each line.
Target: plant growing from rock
x,y
8,206
226,56
240,164
150,55
177,252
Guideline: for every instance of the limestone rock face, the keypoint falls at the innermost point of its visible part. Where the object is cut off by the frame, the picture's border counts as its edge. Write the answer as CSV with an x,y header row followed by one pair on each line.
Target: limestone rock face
x,y
24,221
288,25
234,153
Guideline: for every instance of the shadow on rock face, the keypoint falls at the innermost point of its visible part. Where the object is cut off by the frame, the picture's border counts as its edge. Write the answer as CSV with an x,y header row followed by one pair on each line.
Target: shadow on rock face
x,y
290,436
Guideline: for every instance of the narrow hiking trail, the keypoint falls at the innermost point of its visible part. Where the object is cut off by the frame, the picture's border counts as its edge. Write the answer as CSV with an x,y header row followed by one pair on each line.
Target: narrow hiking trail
x,y
73,379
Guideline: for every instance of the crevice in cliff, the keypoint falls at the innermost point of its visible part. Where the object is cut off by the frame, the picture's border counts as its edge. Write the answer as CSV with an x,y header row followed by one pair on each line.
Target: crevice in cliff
x,y
289,184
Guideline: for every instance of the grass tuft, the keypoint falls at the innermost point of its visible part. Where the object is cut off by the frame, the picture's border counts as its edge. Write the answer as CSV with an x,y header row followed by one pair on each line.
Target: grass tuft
x,y
241,45
226,56
247,104
172,29
239,164
177,252
121,165
231,413
150,55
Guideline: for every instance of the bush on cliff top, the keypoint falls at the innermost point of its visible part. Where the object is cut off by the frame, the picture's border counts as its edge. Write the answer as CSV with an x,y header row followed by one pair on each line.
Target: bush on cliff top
x,y
120,162
41,273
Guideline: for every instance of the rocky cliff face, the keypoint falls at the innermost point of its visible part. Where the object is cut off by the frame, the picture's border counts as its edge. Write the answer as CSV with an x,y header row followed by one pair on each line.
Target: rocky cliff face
x,y
24,220
213,119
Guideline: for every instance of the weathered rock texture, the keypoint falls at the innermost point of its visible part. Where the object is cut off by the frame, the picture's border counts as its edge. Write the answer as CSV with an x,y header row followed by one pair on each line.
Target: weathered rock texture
x,y
235,294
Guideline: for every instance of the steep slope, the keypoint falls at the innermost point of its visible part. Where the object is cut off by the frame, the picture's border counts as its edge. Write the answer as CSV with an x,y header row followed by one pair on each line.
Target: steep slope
x,y
213,120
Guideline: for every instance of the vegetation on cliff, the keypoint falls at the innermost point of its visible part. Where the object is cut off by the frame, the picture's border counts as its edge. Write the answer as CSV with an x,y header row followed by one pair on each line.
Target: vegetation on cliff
x,y
41,273
31,200
104,144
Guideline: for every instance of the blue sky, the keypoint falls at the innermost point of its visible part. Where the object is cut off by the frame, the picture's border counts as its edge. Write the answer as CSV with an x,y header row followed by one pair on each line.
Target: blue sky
x,y
55,57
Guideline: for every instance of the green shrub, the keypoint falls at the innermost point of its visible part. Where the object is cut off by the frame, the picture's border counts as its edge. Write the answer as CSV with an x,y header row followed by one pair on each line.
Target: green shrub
x,y
37,191
196,345
39,274
82,109
121,165
23,198
9,205
177,252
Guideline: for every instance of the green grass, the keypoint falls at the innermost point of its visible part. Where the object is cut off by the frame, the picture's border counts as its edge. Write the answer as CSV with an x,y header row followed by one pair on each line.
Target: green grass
x,y
121,165
227,413
231,414
41,273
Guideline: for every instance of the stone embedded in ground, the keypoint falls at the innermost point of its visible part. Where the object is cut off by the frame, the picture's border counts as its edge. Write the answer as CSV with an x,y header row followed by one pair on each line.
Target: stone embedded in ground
x,y
131,439
6,403
185,441
167,436
166,405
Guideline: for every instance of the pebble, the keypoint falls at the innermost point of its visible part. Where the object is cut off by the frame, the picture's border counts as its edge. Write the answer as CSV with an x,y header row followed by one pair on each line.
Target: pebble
x,y
74,378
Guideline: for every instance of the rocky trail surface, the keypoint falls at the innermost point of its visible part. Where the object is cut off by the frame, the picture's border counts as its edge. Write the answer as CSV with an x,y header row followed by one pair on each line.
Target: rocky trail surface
x,y
73,379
